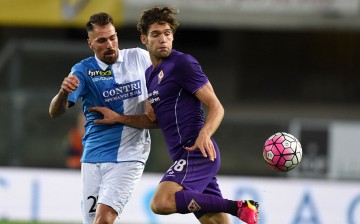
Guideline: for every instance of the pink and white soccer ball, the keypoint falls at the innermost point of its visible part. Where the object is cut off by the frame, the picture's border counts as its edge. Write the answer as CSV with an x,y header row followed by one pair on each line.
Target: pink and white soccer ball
x,y
282,152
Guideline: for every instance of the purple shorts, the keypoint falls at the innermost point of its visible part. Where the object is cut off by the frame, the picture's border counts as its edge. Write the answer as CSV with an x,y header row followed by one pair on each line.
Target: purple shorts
x,y
195,172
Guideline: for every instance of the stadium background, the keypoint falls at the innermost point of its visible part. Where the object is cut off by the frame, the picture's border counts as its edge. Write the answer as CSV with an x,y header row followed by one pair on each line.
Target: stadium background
x,y
275,65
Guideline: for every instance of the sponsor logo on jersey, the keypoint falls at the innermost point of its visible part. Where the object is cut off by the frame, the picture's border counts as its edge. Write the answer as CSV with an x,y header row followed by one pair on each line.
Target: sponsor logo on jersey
x,y
123,91
99,73
154,96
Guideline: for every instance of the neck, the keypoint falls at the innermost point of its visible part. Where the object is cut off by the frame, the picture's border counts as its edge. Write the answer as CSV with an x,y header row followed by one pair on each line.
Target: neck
x,y
155,61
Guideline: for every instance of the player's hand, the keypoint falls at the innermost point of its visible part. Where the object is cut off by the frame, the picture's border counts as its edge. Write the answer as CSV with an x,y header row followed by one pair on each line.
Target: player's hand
x,y
70,84
110,116
150,112
205,145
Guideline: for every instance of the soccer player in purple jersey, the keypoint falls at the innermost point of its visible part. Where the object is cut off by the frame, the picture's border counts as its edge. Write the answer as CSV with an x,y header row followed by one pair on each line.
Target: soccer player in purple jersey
x,y
177,89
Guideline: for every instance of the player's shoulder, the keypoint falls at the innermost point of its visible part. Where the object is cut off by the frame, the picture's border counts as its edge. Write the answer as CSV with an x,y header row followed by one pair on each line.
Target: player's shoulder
x,y
136,56
134,52
181,57
85,64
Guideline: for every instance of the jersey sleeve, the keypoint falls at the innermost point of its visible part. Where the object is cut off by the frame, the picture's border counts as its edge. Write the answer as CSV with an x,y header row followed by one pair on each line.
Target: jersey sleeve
x,y
191,77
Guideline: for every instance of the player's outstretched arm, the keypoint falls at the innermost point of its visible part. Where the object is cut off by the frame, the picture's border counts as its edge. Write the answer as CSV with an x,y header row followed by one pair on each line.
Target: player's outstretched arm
x,y
215,115
112,117
59,104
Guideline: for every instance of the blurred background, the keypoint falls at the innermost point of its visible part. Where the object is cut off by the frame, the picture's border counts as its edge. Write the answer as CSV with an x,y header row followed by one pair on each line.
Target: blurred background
x,y
276,65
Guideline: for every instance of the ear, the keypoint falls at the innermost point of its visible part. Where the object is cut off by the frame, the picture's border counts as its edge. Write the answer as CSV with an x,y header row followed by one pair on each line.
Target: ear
x,y
89,43
143,39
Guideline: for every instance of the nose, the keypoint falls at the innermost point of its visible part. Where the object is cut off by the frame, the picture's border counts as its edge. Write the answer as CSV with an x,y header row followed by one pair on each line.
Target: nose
x,y
109,44
162,38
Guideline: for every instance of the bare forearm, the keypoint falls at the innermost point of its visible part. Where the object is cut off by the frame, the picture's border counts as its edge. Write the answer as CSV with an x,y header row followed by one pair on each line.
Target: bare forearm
x,y
58,105
137,121
213,119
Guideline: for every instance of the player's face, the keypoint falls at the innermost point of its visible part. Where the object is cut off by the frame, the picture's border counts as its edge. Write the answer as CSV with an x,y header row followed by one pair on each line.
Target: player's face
x,y
104,42
158,40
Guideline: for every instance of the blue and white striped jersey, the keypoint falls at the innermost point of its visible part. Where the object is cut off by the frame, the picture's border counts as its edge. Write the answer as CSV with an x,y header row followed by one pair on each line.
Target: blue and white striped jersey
x,y
122,88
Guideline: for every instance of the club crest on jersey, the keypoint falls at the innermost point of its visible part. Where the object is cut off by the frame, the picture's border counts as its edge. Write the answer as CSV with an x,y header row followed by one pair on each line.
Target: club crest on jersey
x,y
160,76
99,73
193,206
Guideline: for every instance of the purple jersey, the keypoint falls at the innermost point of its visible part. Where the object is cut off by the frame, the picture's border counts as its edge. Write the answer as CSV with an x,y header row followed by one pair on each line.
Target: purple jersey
x,y
171,87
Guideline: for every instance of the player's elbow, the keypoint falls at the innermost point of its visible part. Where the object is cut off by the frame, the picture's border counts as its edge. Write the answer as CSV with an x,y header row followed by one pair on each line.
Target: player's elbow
x,y
220,110
55,113
52,113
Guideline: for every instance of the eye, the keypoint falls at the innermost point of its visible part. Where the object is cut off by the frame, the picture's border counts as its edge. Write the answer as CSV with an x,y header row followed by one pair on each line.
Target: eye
x,y
154,34
112,38
101,40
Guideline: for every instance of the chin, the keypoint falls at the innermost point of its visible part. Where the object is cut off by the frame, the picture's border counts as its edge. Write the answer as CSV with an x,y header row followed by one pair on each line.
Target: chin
x,y
164,55
110,61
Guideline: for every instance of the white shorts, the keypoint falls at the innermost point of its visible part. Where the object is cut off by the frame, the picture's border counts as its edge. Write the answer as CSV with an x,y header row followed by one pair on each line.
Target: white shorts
x,y
111,184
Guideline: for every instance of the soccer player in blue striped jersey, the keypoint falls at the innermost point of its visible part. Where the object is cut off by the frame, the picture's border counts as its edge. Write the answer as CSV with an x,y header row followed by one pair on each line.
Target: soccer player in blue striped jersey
x,y
177,89
114,155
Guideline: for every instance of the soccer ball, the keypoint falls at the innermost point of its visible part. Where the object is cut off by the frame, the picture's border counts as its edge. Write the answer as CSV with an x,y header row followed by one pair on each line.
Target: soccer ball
x,y
282,152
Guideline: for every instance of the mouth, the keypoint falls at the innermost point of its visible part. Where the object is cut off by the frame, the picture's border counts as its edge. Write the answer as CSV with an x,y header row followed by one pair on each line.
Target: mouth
x,y
110,57
110,53
163,49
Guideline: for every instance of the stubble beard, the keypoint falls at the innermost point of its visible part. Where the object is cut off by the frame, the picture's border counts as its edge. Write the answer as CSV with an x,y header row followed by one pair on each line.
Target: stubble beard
x,y
110,60
162,55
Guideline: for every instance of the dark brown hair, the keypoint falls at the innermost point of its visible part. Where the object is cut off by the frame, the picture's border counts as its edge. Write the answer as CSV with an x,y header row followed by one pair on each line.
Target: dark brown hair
x,y
157,15
100,19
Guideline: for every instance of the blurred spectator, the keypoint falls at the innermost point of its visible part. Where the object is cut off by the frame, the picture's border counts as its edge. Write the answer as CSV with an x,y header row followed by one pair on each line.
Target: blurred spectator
x,y
74,147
